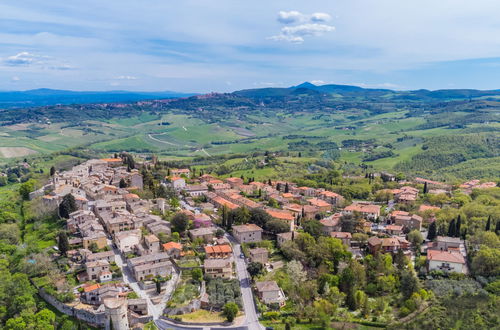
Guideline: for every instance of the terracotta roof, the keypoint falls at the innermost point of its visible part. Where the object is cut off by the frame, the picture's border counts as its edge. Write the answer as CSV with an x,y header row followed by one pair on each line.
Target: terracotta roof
x,y
394,227
319,202
172,245
448,256
340,234
112,160
281,215
225,248
91,287
175,178
364,208
287,195
390,241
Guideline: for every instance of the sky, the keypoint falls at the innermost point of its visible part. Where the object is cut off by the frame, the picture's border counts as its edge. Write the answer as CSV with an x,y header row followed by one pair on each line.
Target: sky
x,y
226,45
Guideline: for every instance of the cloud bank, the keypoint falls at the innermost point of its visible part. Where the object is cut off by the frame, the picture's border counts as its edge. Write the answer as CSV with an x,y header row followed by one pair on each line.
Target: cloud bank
x,y
299,25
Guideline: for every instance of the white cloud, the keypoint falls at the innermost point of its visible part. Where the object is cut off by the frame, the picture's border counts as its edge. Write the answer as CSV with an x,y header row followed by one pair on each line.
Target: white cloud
x,y
300,25
297,33
289,17
126,78
318,82
14,78
22,59
320,17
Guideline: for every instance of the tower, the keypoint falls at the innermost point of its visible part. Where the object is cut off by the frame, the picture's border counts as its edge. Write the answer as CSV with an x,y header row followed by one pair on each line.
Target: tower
x,y
116,312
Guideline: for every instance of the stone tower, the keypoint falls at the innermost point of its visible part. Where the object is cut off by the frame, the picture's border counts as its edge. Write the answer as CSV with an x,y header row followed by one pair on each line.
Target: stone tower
x,y
116,312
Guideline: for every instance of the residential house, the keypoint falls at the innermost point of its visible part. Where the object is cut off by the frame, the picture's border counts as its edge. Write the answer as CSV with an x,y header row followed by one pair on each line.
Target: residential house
x,y
345,237
369,211
394,229
409,222
218,268
331,197
282,215
97,270
207,234
177,182
196,190
446,261
152,243
180,172
173,249
218,251
202,220
284,237
151,265
126,241
331,224
258,255
138,306
247,233
322,206
270,293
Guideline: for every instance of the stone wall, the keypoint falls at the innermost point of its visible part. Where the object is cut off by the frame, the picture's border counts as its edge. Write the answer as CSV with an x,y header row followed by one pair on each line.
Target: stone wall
x,y
98,319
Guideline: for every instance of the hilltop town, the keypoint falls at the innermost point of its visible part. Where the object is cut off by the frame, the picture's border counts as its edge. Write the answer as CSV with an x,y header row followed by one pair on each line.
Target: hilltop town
x,y
200,248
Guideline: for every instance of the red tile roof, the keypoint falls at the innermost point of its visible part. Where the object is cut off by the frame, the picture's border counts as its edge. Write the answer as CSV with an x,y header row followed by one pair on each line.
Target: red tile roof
x,y
447,256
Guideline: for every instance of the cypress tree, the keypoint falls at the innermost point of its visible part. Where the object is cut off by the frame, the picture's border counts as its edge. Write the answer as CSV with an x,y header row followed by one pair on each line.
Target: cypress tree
x,y
451,228
63,243
52,171
287,189
488,223
497,228
431,234
426,190
457,228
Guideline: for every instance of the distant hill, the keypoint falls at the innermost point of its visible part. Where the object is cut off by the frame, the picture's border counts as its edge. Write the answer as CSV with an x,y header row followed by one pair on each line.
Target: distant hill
x,y
44,96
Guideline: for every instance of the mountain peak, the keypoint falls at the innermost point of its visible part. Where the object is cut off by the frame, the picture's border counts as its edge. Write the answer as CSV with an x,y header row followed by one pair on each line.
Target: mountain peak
x,y
305,85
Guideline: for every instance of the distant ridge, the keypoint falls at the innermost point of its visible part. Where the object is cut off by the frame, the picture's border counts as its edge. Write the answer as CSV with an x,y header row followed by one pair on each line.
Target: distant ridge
x,y
46,96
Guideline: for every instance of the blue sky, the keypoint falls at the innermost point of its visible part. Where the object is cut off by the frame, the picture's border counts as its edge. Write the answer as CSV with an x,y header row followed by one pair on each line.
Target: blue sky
x,y
225,45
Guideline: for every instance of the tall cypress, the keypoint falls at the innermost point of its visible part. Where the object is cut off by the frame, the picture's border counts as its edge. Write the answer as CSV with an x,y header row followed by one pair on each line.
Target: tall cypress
x,y
457,228
452,228
488,223
431,234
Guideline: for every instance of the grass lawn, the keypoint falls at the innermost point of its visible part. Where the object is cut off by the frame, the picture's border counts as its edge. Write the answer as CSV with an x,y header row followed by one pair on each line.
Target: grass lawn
x,y
202,316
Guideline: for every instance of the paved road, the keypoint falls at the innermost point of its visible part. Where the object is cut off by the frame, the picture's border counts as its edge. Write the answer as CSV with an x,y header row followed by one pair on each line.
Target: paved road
x,y
252,320
156,310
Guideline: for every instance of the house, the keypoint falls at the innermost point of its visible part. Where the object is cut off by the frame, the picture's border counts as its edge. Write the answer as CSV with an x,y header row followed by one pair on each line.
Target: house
x,y
218,251
247,233
331,197
258,255
109,256
322,206
409,222
96,268
218,268
384,245
180,172
394,229
126,241
369,211
151,265
207,234
138,306
284,216
202,220
270,293
446,261
284,237
173,249
234,182
196,190
406,195
152,243
331,224
444,243
345,237
177,182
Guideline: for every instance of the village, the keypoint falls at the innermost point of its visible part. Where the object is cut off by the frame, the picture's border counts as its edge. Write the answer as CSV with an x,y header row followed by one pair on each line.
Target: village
x,y
223,234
